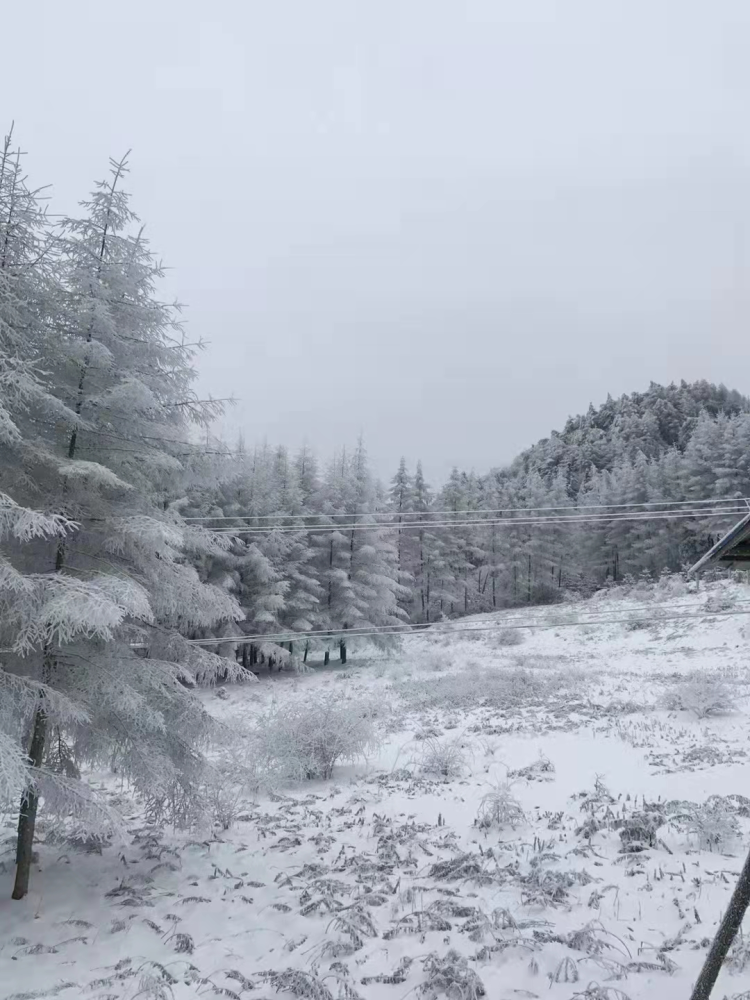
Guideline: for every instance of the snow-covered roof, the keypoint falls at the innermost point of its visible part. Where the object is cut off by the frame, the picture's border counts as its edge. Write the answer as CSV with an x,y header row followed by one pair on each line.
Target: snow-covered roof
x,y
734,547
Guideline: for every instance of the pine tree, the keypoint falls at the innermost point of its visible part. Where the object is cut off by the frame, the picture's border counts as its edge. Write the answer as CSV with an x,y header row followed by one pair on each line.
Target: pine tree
x,y
109,454
400,499
427,559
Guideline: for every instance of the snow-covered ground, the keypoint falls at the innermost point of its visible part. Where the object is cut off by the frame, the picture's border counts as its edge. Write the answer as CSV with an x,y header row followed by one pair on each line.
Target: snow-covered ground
x,y
602,870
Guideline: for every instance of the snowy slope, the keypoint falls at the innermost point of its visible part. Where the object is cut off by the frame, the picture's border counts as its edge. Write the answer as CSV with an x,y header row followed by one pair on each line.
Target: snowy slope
x,y
379,883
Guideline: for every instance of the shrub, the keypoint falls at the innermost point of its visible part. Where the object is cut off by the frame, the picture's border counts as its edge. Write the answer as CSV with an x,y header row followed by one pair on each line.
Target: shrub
x,y
541,769
509,637
640,830
499,809
470,636
433,661
720,600
229,786
451,976
670,586
444,758
303,740
712,824
704,695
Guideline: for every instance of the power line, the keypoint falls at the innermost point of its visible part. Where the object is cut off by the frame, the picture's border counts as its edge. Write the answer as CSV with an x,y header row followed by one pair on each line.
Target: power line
x,y
451,628
440,628
508,522
498,510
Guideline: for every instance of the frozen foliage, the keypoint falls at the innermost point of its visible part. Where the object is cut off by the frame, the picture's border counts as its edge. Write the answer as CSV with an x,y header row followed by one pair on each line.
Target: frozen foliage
x,y
500,809
97,593
450,975
712,825
509,637
702,694
443,758
13,771
305,739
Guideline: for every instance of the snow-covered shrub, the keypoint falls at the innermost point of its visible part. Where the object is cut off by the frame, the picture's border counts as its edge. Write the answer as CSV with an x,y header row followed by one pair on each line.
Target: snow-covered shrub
x,y
230,783
720,600
499,809
509,637
738,959
303,740
562,617
640,830
473,636
433,661
702,694
670,586
541,769
444,758
712,824
451,976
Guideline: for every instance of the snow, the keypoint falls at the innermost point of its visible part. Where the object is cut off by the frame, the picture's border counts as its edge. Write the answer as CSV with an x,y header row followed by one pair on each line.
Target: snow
x,y
347,881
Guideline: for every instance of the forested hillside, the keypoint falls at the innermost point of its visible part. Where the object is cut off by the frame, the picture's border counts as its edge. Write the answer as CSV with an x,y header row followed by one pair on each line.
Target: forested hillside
x,y
332,551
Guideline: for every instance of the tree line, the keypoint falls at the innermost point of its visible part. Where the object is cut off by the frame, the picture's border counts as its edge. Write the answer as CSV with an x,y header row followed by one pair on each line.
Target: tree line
x,y
332,550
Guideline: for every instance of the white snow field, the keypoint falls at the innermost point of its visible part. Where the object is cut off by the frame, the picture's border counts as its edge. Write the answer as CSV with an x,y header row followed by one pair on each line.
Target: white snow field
x,y
559,816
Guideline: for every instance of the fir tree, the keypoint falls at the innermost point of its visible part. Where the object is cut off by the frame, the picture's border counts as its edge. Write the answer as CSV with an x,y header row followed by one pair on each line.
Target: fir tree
x,y
108,455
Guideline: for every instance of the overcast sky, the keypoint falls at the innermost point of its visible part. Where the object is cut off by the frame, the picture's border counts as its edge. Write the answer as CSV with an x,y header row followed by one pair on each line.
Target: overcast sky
x,y
445,224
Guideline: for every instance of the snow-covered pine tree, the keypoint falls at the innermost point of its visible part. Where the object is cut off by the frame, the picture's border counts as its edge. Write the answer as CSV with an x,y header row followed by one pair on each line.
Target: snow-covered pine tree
x,y
373,567
433,579
400,499
425,545
355,561
111,458
496,544
292,551
454,540
332,559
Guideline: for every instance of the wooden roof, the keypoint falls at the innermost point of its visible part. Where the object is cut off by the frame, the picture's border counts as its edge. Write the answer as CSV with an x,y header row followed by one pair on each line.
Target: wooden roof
x,y
734,547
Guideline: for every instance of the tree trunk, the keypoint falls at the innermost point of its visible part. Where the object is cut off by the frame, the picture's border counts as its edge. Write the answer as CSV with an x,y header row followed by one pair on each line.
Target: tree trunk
x,y
494,564
330,579
425,614
725,935
342,651
29,806
30,798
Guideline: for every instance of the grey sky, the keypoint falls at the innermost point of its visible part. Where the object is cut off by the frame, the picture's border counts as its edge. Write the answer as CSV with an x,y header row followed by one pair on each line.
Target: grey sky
x,y
447,224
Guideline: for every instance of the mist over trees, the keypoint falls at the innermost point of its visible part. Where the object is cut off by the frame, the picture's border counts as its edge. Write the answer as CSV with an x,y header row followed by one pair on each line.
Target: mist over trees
x,y
128,533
